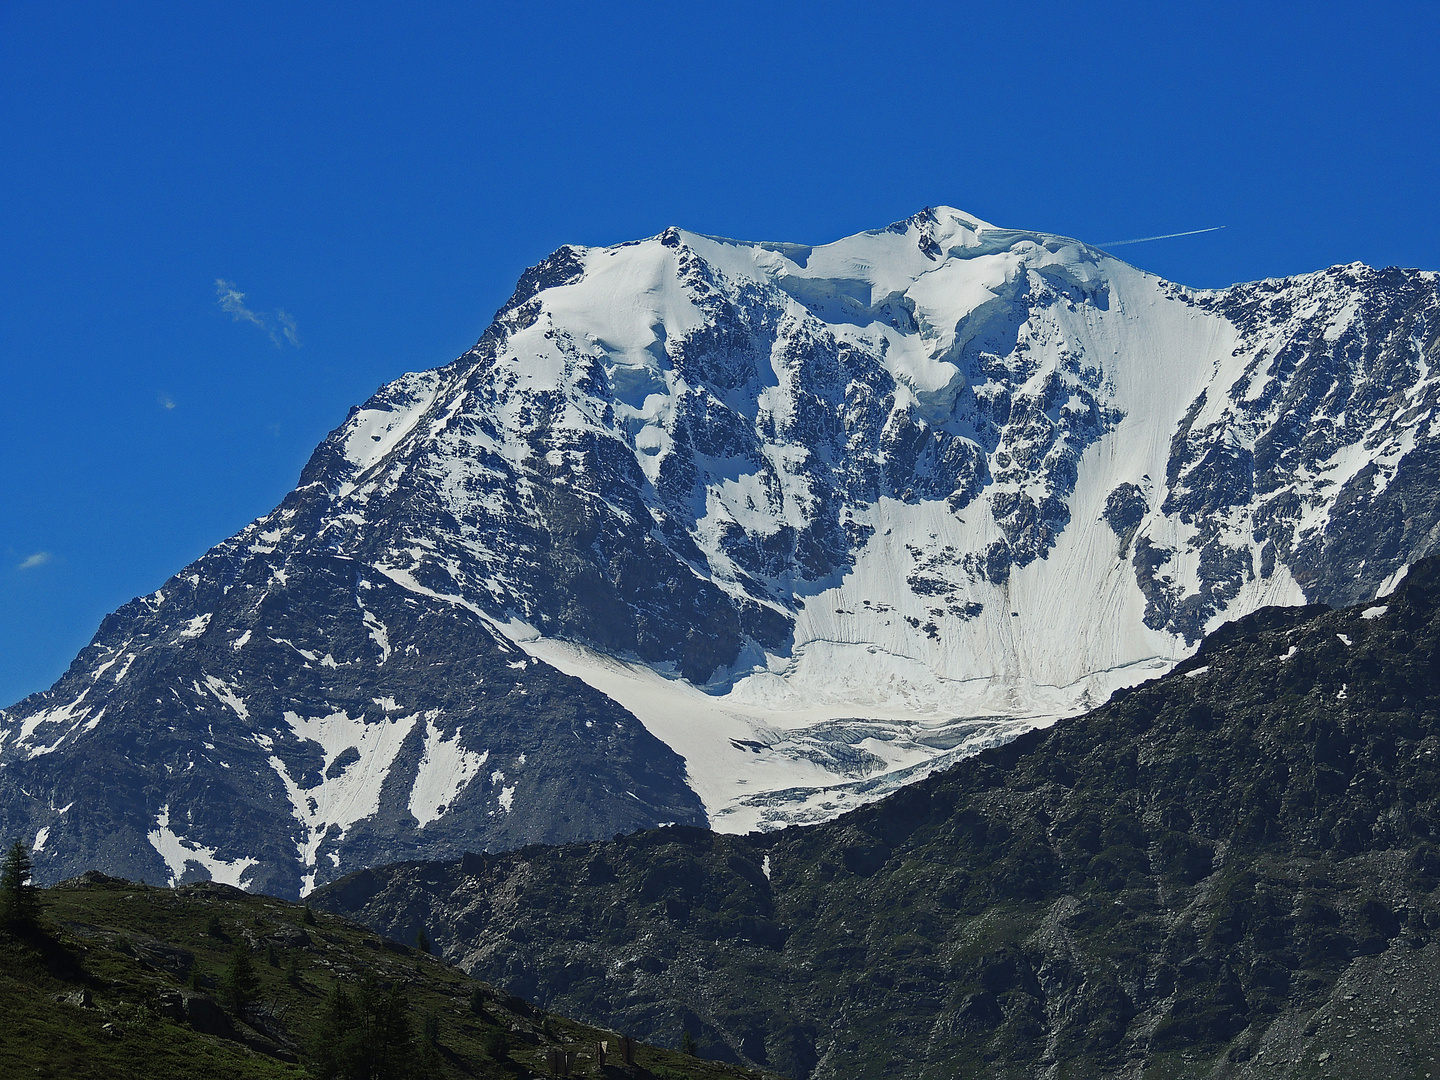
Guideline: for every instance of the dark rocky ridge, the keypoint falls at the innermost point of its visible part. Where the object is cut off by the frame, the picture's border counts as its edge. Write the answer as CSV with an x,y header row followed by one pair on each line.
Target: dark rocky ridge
x,y
197,725
1230,872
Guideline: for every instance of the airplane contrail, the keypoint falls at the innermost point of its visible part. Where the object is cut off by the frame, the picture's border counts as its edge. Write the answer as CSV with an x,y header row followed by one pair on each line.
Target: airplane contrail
x,y
1167,236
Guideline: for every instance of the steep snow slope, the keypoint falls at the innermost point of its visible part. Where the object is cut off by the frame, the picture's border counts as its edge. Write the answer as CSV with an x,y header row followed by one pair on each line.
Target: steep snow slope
x,y
821,518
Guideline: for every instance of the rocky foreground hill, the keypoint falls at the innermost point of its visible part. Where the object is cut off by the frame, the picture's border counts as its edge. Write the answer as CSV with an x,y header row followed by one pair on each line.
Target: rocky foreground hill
x,y
709,531
1231,871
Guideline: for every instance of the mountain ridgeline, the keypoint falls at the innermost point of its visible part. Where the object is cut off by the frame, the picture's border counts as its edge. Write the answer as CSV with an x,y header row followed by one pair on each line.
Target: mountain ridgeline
x,y
746,534
1229,871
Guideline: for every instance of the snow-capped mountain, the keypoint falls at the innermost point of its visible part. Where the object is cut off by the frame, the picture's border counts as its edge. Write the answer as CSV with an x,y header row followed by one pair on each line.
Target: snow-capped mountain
x,y
821,519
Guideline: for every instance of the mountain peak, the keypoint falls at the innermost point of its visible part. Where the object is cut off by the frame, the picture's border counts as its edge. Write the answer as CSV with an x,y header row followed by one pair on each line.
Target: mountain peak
x,y
746,533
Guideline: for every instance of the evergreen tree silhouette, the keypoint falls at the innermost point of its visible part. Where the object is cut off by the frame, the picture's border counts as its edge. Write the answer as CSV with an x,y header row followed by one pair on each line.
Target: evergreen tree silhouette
x,y
365,1034
239,984
19,898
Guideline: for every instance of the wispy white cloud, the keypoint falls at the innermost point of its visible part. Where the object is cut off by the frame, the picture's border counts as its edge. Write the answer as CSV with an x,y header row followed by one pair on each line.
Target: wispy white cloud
x,y
232,302
166,401
40,558
287,327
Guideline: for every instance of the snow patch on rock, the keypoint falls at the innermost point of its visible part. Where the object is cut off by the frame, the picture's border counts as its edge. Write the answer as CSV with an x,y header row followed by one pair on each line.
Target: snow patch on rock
x,y
446,769
180,854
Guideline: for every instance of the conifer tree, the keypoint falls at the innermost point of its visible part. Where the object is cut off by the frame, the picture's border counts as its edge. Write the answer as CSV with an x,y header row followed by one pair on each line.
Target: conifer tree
x,y
333,1048
427,1064
362,1036
495,1044
239,984
19,898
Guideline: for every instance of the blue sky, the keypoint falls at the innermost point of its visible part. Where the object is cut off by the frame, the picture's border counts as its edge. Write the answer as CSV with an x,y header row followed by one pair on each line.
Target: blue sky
x,y
379,175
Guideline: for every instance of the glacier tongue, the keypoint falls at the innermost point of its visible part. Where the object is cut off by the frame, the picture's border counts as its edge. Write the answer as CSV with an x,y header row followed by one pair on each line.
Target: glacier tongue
x,y
822,518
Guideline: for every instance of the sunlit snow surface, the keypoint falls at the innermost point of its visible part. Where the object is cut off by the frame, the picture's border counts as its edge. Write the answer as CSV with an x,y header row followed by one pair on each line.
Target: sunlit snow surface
x,y
445,770
757,768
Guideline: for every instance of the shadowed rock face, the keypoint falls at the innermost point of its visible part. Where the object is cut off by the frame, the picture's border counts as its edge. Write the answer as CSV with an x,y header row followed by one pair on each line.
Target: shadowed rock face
x,y
940,470
315,717
1333,412
1230,871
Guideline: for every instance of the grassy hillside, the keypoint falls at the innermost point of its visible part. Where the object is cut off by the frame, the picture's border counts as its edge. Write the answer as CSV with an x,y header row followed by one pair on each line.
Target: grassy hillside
x,y
126,980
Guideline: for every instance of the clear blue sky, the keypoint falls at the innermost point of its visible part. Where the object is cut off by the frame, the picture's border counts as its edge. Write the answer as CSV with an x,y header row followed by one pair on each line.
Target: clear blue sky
x,y
383,173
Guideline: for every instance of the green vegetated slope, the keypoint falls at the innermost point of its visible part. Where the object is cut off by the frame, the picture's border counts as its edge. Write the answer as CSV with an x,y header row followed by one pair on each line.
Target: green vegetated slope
x,y
127,981
1230,871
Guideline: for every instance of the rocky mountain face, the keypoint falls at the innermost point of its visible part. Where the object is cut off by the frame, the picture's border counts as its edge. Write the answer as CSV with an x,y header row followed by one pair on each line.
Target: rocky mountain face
x,y
1231,871
317,716
801,525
